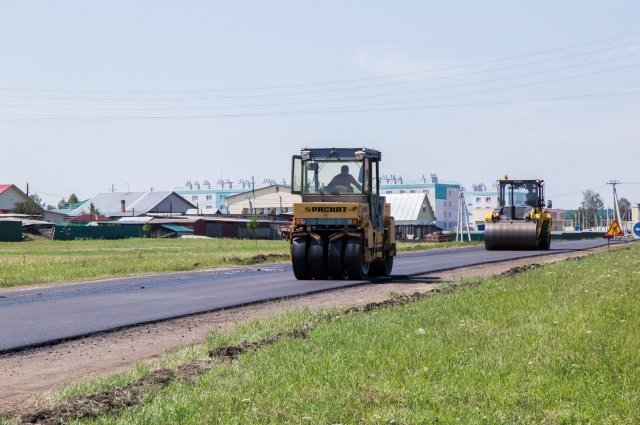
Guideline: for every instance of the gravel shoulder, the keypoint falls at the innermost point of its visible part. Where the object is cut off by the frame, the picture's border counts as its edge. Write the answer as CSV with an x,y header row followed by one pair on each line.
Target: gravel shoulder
x,y
30,373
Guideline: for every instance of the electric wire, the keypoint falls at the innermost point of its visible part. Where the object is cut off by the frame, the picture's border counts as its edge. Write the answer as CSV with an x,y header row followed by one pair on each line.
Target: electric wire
x,y
306,102
448,68
330,111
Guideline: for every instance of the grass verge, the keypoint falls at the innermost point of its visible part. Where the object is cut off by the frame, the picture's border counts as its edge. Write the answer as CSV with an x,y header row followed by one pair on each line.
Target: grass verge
x,y
553,344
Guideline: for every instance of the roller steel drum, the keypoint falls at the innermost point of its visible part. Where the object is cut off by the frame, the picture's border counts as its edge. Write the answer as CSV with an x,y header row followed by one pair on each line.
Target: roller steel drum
x,y
510,235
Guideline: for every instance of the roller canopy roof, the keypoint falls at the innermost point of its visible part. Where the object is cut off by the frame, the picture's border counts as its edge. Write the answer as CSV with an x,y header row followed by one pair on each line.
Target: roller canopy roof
x,y
339,154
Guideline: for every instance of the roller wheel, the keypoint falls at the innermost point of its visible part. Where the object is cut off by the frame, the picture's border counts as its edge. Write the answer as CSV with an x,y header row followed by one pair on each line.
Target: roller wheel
x,y
299,258
335,260
382,268
356,267
317,260
548,243
545,237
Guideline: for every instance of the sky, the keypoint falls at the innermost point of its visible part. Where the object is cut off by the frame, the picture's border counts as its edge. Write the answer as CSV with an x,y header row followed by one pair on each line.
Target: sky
x,y
129,96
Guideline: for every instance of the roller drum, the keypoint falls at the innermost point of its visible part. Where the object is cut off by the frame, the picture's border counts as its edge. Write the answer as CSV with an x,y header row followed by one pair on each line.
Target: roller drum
x,y
511,235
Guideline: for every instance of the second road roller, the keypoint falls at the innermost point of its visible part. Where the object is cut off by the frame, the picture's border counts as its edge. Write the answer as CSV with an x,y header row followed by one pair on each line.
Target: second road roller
x,y
343,228
520,222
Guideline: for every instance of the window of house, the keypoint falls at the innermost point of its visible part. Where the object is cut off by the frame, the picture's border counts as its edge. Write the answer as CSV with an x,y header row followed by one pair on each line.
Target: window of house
x,y
208,197
424,209
194,197
388,191
488,199
412,191
477,199
402,191
208,207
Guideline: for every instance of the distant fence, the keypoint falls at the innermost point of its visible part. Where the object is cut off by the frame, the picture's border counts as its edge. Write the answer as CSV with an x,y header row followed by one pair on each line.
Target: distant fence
x,y
66,232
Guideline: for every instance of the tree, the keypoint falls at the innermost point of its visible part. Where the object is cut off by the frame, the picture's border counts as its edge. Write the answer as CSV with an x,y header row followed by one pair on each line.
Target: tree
x,y
591,201
146,229
32,206
73,199
625,208
252,225
93,210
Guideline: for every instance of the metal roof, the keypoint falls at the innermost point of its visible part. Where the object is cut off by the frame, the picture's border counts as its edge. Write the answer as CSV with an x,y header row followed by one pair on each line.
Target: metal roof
x,y
4,187
408,207
177,228
139,202
135,220
340,154
147,201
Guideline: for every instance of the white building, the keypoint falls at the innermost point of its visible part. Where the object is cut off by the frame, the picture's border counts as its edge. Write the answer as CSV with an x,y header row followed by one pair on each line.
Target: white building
x,y
10,195
270,200
413,215
443,197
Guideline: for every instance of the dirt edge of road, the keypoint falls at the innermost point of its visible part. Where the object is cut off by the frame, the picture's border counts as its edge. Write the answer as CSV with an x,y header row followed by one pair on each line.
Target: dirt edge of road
x,y
29,374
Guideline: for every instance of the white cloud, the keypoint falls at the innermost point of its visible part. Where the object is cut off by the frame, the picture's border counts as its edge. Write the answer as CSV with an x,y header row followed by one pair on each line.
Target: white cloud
x,y
391,60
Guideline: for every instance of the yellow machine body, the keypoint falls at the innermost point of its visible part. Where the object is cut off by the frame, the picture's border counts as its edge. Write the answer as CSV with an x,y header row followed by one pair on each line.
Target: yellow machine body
x,y
521,221
353,220
340,231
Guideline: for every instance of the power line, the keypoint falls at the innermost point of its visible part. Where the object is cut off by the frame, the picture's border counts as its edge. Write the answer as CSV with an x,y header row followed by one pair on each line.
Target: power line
x,y
266,95
396,75
493,89
380,95
30,117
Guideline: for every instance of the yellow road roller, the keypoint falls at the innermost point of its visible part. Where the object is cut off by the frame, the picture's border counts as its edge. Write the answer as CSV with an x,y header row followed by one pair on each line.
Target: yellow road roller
x,y
343,228
521,221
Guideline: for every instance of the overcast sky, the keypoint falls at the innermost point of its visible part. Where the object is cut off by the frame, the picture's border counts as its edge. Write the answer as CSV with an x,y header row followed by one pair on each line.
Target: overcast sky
x,y
141,94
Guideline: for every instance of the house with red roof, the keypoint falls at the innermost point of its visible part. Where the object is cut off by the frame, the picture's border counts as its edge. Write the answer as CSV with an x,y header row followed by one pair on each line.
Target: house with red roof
x,y
10,195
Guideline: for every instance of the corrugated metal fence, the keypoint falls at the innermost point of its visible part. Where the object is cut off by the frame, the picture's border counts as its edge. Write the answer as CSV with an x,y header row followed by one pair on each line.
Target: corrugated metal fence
x,y
10,231
62,232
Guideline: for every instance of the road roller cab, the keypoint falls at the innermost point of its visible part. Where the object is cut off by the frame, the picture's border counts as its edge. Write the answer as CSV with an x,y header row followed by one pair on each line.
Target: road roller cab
x,y
520,221
343,228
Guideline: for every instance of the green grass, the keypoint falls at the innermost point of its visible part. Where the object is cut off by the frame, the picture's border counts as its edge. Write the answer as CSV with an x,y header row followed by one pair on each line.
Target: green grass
x,y
46,261
558,344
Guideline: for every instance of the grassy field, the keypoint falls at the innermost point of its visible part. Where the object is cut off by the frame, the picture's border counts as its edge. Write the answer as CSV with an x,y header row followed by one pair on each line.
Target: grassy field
x,y
556,344
46,261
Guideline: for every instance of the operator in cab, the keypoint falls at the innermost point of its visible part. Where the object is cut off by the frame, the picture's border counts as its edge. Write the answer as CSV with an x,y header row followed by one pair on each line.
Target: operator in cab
x,y
345,179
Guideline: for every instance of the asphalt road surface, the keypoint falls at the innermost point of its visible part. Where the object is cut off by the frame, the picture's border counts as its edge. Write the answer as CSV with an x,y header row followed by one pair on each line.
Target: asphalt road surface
x,y
35,317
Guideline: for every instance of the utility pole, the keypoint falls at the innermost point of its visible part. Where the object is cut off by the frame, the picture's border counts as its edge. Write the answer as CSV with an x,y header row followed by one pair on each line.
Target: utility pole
x,y
616,209
463,215
253,195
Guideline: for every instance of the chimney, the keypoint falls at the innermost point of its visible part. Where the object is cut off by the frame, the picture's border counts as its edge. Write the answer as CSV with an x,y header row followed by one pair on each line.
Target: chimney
x,y
122,205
